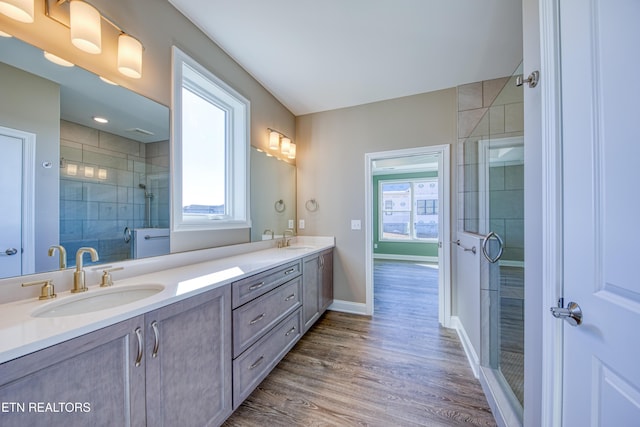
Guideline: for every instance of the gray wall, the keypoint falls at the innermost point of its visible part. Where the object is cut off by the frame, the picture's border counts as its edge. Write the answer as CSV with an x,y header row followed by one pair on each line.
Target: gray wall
x,y
159,26
331,154
34,107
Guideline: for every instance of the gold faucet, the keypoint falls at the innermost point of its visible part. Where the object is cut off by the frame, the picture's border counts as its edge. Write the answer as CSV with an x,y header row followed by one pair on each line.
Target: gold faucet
x,y
62,255
285,241
79,284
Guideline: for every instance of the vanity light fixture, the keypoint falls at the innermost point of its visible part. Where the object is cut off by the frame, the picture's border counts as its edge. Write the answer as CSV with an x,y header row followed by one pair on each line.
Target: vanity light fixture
x,y
88,171
85,26
286,144
72,169
274,139
129,56
107,81
57,60
3,34
20,10
102,174
281,142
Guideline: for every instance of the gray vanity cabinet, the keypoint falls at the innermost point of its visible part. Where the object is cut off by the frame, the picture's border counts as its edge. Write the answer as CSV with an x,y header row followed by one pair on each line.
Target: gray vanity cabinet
x,y
317,273
170,367
89,380
188,361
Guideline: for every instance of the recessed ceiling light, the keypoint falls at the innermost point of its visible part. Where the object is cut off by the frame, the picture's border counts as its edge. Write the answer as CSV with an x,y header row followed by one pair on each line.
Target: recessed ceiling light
x,y
100,119
57,60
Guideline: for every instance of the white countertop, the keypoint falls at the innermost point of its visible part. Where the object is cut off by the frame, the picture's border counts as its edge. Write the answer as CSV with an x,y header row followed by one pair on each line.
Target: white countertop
x,y
21,334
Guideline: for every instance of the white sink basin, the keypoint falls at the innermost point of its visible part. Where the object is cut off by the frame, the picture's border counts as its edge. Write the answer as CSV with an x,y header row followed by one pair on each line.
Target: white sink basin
x,y
95,300
298,248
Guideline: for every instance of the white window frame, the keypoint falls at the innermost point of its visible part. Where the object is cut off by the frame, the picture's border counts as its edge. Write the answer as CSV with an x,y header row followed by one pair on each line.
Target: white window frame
x,y
237,109
412,211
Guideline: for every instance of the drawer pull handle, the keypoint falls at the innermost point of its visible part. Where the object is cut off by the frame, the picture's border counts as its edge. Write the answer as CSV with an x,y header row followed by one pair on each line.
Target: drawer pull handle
x,y
290,331
289,271
257,319
156,339
256,286
290,297
257,363
138,332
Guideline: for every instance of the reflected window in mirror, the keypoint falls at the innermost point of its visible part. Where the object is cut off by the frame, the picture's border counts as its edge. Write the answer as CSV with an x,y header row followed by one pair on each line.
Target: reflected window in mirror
x,y
211,131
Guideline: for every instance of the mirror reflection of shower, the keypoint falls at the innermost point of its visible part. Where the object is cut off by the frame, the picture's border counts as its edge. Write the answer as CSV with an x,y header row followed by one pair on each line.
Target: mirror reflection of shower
x,y
148,197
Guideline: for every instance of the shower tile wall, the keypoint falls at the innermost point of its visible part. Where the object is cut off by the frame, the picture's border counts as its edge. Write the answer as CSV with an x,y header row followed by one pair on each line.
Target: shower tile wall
x,y
100,195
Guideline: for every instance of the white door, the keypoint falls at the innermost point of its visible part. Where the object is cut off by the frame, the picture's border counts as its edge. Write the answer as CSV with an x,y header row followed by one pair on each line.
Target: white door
x,y
601,244
11,202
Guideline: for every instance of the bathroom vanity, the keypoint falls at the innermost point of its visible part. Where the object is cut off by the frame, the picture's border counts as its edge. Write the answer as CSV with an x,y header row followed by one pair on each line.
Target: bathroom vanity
x,y
187,355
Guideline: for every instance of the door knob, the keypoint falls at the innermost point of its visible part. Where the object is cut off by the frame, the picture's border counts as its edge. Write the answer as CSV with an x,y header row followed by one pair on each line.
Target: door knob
x,y
572,313
11,251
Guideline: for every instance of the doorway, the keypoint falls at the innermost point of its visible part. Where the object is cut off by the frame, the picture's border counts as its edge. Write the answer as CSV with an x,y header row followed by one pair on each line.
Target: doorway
x,y
403,164
17,194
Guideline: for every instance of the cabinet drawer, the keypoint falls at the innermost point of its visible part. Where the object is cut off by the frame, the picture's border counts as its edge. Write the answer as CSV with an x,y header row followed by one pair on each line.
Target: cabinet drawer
x,y
256,363
252,287
252,320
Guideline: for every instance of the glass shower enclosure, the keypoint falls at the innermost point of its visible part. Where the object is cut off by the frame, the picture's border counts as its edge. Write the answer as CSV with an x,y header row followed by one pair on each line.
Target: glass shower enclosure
x,y
491,189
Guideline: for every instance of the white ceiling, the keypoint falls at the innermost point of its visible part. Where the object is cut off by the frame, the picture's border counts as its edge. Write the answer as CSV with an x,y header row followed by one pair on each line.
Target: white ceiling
x,y
317,55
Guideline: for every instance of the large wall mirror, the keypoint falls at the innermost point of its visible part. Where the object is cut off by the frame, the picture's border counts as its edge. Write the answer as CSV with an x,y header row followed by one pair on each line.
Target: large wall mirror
x,y
104,185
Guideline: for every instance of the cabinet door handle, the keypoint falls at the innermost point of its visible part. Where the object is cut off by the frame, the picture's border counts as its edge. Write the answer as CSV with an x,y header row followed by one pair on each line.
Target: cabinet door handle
x,y
256,286
138,332
321,262
156,339
289,271
290,297
257,319
292,330
257,363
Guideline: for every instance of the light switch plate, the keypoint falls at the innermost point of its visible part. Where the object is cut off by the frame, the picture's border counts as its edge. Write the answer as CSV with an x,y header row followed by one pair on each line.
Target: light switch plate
x,y
291,223
301,224
356,224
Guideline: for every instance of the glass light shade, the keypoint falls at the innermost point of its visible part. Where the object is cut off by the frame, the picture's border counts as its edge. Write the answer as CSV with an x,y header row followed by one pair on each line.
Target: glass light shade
x,y
274,140
3,34
129,56
88,171
20,10
57,60
286,144
85,25
72,169
292,151
102,174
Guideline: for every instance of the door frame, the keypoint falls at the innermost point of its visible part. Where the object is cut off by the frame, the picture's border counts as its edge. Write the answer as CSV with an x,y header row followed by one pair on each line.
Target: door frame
x,y
28,195
552,193
444,227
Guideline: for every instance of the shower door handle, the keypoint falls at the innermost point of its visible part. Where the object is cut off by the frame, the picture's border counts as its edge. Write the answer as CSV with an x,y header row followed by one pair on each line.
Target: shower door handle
x,y
485,251
11,251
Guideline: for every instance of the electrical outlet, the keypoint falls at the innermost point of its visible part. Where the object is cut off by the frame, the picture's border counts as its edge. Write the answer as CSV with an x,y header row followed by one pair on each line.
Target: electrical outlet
x,y
355,224
375,246
291,223
301,224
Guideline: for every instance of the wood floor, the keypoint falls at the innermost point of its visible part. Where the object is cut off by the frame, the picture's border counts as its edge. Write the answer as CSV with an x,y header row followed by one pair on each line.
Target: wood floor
x,y
397,368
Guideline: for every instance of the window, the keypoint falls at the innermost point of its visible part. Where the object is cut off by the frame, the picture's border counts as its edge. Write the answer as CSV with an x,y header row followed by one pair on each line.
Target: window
x,y
409,210
211,131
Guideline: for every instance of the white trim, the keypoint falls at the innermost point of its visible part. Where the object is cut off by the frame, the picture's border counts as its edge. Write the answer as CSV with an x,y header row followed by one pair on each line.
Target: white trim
x,y
444,254
349,307
28,196
552,339
238,137
419,258
472,356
